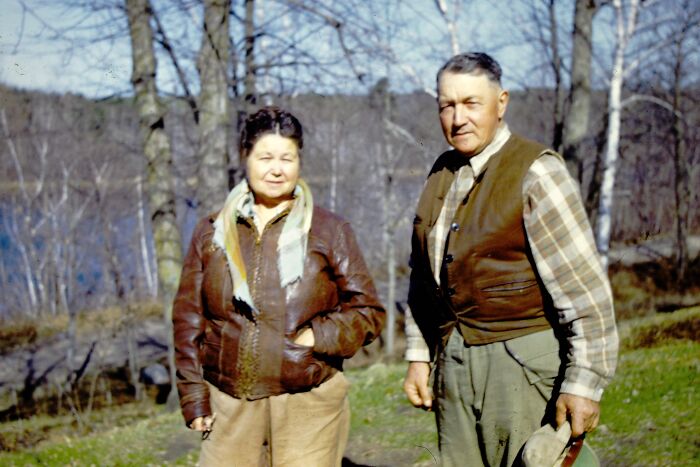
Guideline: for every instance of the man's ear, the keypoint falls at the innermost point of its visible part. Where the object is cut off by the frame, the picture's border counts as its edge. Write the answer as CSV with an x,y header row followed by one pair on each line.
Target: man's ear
x,y
502,103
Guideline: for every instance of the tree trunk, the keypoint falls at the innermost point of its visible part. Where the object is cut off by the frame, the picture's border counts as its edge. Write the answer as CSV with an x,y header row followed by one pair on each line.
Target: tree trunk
x,y
156,148
151,281
596,180
682,190
558,113
333,188
250,93
391,295
451,26
383,101
212,64
576,121
604,220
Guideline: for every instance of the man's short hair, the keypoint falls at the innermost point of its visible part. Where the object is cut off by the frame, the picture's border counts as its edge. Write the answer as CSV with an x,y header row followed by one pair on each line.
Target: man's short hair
x,y
473,63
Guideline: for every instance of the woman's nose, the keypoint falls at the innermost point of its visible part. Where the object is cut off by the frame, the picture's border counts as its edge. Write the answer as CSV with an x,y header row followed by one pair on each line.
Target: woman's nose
x,y
276,168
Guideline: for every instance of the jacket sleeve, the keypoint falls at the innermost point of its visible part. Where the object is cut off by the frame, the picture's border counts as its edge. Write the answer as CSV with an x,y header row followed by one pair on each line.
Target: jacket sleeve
x,y
188,329
360,317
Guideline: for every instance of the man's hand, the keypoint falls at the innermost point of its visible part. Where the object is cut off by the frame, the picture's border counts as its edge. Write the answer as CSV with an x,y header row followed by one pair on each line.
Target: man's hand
x,y
583,413
416,385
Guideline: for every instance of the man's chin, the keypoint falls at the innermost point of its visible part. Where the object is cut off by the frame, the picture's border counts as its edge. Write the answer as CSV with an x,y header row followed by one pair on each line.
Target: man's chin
x,y
467,150
465,145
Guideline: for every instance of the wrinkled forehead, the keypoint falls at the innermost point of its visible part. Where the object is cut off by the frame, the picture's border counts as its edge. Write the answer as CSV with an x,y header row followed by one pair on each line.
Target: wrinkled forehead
x,y
452,85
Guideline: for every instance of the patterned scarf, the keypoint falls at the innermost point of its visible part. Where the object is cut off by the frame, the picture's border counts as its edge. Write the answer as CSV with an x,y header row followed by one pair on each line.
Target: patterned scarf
x,y
291,246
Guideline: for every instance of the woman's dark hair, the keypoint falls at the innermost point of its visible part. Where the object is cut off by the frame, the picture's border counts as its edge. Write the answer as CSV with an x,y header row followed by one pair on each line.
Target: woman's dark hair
x,y
269,120
472,63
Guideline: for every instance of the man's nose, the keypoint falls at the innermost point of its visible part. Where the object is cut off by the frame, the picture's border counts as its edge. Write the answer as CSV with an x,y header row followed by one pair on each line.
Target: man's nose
x,y
460,115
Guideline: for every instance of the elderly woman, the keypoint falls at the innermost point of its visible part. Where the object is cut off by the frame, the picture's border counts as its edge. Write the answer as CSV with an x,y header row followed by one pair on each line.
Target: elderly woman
x,y
274,295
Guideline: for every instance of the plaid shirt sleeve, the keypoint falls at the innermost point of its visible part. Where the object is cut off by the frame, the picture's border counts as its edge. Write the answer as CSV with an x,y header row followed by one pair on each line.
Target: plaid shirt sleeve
x,y
416,348
566,258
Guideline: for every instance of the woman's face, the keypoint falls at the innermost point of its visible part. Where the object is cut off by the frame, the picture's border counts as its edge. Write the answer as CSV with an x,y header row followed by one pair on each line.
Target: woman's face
x,y
273,169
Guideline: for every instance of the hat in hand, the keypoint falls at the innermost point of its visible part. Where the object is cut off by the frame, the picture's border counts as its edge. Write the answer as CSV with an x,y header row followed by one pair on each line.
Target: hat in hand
x,y
548,447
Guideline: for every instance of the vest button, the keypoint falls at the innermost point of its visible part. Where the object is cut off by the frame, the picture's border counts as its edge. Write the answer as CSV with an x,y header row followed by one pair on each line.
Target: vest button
x,y
454,227
449,258
451,292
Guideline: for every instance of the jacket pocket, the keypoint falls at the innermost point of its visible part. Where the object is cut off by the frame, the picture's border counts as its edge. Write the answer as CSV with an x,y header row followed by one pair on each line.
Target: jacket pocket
x,y
210,355
210,347
300,369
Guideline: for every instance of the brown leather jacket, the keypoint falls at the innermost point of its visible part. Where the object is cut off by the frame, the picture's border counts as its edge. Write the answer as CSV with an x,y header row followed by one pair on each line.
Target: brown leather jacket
x,y
218,341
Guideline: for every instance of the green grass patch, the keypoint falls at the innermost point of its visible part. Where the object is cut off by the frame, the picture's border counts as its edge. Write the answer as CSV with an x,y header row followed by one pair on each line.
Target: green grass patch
x,y
649,417
649,412
150,437
386,429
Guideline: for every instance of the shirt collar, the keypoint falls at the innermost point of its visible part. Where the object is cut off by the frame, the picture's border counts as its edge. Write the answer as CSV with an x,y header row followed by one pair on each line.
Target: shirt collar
x,y
479,161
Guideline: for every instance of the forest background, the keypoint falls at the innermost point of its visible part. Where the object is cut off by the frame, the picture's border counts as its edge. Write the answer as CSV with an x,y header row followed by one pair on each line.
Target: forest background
x,y
119,121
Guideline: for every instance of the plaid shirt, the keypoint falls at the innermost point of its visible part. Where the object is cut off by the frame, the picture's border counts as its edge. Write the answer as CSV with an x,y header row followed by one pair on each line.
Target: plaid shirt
x,y
566,259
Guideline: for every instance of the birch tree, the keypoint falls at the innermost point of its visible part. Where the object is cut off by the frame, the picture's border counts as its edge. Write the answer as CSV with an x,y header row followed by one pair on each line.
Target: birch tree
x,y
450,19
213,66
42,217
625,24
626,13
156,148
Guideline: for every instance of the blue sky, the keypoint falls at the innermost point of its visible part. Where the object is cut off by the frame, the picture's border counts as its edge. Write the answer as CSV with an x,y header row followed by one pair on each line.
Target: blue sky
x,y
33,55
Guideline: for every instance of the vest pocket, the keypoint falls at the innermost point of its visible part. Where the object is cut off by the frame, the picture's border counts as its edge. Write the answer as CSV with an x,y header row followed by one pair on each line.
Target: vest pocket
x,y
498,288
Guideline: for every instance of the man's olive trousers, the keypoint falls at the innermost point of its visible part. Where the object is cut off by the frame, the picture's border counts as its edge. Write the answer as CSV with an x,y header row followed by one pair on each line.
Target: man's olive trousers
x,y
491,398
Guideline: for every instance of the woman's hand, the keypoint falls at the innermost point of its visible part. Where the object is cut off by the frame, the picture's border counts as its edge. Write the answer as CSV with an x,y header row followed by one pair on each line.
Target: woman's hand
x,y
203,423
306,337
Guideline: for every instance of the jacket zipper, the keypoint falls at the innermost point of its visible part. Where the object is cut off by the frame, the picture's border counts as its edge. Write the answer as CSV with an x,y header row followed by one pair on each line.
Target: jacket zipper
x,y
249,367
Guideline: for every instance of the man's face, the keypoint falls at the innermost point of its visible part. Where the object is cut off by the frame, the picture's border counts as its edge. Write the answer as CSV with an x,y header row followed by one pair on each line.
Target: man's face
x,y
471,109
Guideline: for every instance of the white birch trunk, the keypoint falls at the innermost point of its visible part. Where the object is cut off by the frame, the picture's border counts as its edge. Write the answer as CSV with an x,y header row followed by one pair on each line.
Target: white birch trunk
x,y
450,23
604,219
391,294
31,298
148,269
333,189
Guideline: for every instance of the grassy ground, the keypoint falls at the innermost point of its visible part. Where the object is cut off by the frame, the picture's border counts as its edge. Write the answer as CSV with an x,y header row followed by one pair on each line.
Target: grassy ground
x,y
651,413
650,416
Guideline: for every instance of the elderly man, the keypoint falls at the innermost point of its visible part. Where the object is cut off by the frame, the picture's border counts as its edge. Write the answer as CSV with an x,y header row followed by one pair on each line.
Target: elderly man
x,y
509,303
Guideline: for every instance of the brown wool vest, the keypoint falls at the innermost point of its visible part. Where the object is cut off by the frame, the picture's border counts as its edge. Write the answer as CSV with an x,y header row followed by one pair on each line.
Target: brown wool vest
x,y
489,289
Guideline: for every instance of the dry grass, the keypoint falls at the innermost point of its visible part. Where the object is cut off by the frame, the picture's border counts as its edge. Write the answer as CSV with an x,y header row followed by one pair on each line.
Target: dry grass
x,y
647,288
20,332
648,332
